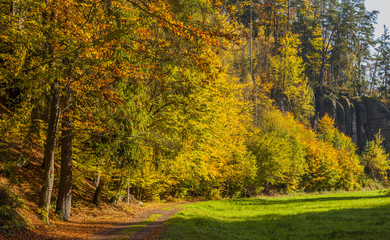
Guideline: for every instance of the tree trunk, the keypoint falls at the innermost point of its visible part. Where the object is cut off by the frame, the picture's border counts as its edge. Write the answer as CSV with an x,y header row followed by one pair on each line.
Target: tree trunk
x,y
373,83
96,197
97,180
288,16
386,81
128,196
64,200
48,179
321,80
118,196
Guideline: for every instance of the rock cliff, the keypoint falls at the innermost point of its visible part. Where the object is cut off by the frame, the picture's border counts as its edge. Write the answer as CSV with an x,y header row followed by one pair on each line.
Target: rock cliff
x,y
360,118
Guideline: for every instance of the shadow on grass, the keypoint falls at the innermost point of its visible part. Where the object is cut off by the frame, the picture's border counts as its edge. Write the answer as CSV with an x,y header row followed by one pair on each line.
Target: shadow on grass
x,y
371,223
280,201
133,228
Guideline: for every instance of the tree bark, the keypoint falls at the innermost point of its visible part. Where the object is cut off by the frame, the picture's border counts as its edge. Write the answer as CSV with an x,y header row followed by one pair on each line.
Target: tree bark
x,y
373,83
128,196
321,79
64,200
96,197
97,180
118,197
48,179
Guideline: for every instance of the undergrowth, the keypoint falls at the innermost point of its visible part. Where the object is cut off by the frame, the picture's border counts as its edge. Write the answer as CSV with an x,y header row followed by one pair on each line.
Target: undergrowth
x,y
10,215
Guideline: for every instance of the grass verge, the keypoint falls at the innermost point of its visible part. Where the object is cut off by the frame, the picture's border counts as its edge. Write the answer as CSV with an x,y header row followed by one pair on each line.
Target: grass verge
x,y
356,215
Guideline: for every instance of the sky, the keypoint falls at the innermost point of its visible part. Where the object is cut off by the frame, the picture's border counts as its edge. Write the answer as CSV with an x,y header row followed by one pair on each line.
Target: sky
x,y
383,6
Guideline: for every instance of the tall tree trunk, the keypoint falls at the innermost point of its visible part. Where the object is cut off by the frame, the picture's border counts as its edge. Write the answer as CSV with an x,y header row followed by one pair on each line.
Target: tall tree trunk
x,y
373,82
321,79
118,197
386,81
128,195
96,197
97,180
48,179
64,200
288,16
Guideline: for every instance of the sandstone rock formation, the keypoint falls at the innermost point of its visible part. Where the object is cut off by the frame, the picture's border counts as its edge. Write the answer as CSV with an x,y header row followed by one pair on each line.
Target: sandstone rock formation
x,y
360,118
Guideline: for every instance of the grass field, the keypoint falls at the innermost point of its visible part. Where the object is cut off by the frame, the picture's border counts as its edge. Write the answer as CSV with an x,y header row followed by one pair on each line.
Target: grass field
x,y
356,215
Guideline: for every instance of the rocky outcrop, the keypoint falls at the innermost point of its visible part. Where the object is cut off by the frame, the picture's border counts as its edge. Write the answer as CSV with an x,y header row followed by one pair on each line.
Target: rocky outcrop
x,y
360,118
372,116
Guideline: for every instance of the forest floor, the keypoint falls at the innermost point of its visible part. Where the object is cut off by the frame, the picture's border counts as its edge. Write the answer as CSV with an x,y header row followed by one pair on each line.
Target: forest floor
x,y
101,223
87,221
147,226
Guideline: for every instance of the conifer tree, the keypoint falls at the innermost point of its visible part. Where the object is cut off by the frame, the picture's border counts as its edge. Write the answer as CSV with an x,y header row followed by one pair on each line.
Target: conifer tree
x,y
384,62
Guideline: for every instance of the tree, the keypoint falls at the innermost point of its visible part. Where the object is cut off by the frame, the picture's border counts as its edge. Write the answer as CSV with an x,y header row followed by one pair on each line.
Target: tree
x,y
375,159
384,61
348,167
351,48
287,73
280,156
48,180
64,198
154,96
307,27
326,14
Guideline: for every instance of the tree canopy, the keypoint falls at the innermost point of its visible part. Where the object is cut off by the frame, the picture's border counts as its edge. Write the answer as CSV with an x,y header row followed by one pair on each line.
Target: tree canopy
x,y
157,98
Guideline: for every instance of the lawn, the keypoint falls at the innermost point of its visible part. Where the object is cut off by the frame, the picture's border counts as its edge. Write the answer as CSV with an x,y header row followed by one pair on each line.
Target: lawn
x,y
353,215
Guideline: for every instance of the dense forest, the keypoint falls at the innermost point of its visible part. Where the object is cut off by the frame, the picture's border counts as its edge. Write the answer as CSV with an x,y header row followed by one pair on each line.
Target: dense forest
x,y
168,99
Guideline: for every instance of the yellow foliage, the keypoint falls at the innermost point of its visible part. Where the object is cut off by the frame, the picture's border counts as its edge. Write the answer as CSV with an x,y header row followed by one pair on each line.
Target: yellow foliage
x,y
291,155
287,73
375,158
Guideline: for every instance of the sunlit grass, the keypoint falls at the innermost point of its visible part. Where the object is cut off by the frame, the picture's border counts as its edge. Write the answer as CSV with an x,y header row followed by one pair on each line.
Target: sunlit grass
x,y
357,215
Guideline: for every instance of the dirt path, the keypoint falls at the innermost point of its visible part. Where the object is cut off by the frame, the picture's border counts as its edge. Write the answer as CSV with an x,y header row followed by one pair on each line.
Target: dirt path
x,y
148,232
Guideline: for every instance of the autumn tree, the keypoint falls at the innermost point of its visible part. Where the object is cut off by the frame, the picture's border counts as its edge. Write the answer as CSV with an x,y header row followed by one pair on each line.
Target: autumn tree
x,y
156,98
375,159
287,73
346,158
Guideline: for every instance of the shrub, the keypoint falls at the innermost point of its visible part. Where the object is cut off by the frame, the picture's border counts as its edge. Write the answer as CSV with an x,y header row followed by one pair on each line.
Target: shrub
x,y
375,159
291,156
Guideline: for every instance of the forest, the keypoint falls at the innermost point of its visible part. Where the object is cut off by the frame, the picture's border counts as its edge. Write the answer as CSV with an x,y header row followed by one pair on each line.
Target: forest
x,y
186,99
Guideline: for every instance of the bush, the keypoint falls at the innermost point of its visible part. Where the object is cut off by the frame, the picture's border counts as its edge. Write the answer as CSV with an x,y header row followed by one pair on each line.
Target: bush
x,y
345,160
375,159
291,156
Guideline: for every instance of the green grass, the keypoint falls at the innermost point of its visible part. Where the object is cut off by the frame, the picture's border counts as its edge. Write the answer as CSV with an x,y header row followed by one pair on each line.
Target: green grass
x,y
356,215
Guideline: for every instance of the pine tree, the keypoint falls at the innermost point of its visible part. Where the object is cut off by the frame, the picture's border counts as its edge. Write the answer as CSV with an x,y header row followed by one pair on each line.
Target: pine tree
x,y
384,62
